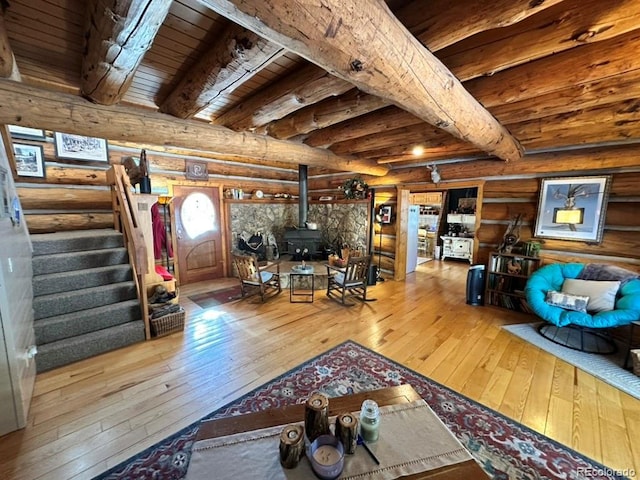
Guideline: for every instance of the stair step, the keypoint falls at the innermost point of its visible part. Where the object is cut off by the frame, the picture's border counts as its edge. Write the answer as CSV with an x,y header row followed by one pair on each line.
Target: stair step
x,y
55,304
65,262
74,241
77,279
63,352
56,328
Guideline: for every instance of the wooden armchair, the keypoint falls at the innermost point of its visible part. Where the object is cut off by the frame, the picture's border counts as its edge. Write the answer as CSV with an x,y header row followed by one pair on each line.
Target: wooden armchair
x,y
256,279
350,280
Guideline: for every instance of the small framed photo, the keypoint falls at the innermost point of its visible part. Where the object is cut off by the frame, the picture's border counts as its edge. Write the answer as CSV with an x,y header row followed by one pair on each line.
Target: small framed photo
x,y
29,160
385,214
573,208
26,133
77,147
196,170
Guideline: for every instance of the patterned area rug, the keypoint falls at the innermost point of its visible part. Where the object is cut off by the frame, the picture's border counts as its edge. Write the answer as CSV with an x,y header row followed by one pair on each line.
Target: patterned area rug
x,y
216,297
607,368
505,449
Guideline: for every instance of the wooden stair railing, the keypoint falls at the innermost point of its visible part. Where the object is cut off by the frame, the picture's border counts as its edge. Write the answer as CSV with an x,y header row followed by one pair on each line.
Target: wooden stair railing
x,y
125,220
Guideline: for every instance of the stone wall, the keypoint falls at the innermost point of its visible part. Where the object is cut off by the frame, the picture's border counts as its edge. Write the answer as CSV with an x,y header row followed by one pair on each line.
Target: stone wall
x,y
339,224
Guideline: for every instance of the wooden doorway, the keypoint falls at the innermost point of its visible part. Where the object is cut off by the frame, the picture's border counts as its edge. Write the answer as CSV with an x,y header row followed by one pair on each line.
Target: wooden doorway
x,y
198,233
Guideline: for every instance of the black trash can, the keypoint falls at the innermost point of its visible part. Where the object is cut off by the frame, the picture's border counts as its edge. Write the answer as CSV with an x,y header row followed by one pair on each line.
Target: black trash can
x,y
475,285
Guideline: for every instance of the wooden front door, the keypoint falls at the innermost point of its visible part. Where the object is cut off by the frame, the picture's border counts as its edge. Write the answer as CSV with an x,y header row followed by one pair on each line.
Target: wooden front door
x,y
198,233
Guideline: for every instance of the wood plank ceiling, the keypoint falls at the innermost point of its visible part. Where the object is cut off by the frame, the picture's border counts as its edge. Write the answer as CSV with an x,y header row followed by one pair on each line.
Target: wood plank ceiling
x,y
541,75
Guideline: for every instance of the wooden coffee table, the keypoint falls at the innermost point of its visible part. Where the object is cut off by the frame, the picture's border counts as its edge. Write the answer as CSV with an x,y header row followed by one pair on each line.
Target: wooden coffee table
x,y
349,403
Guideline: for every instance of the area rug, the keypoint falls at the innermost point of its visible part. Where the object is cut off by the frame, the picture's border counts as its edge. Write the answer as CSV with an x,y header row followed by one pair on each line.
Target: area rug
x,y
216,297
505,449
608,368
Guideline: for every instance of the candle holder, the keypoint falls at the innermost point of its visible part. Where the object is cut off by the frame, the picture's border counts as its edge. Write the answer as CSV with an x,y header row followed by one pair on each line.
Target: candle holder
x,y
326,455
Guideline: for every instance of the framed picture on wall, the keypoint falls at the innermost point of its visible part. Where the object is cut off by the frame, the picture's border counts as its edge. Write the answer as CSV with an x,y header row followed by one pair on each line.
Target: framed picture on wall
x,y
573,208
78,147
29,160
385,214
196,170
26,133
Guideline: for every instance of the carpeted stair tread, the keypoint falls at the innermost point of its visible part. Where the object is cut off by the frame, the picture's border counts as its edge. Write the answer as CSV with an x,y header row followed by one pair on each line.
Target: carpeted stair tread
x,y
55,304
75,279
65,262
56,328
63,352
73,241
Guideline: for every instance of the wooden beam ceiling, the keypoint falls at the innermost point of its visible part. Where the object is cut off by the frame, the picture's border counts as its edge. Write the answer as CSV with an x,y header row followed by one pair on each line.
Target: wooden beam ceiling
x,y
31,107
344,38
237,55
117,36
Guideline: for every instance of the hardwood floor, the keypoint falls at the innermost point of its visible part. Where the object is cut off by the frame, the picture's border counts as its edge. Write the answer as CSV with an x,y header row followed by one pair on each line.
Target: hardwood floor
x,y
91,415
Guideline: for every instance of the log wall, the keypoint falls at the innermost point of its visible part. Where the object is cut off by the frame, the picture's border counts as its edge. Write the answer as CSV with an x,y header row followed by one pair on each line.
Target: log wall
x,y
74,195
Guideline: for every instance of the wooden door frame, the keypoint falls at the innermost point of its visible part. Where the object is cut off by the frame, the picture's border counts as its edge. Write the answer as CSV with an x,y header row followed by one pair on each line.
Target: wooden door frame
x,y
224,221
402,217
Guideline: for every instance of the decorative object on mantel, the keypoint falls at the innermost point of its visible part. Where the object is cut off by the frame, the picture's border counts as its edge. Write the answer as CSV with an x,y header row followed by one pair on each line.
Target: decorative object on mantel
x,y
195,170
512,235
355,188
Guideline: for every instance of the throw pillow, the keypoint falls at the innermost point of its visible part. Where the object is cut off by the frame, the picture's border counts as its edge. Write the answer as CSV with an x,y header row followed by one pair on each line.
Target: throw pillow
x,y
602,294
567,301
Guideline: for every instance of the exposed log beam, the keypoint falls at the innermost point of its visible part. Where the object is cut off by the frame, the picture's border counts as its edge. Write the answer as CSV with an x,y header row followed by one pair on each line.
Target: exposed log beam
x,y
611,122
605,123
8,65
393,66
551,36
449,22
537,87
237,55
379,121
539,164
217,157
568,25
324,114
439,29
588,95
403,135
117,34
305,86
31,107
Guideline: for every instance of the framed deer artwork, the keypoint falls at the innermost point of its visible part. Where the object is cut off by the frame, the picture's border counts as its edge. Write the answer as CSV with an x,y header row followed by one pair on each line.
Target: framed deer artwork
x,y
573,208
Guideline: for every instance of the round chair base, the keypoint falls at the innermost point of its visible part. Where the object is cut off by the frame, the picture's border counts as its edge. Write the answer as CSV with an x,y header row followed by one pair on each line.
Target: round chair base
x,y
578,338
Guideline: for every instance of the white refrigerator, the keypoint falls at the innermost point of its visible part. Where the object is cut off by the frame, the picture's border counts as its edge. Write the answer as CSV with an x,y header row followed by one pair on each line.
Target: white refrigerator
x,y
412,238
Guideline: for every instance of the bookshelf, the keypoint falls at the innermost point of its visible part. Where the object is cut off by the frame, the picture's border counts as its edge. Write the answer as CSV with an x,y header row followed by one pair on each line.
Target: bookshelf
x,y
507,275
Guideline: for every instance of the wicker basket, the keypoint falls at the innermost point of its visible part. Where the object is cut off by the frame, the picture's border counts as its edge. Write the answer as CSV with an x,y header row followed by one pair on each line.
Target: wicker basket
x,y
174,322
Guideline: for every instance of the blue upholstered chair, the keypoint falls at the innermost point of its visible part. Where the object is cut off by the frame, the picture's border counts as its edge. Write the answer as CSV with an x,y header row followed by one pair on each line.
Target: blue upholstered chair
x,y
559,320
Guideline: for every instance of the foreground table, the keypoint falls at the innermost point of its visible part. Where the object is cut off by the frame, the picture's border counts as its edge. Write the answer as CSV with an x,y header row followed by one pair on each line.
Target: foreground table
x,y
293,413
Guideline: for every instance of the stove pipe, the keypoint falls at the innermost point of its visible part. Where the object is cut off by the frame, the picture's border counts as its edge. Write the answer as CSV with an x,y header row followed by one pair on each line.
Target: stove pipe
x,y
303,194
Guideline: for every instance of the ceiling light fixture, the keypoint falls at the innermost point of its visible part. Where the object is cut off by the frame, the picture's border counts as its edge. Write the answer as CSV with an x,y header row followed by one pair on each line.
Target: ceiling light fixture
x,y
417,150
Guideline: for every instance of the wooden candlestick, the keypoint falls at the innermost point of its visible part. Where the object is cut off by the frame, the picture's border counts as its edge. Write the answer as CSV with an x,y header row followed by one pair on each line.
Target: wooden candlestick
x,y
291,445
316,416
347,432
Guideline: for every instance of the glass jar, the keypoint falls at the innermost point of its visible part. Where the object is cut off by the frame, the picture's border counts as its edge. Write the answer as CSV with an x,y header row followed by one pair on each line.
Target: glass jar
x,y
369,421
